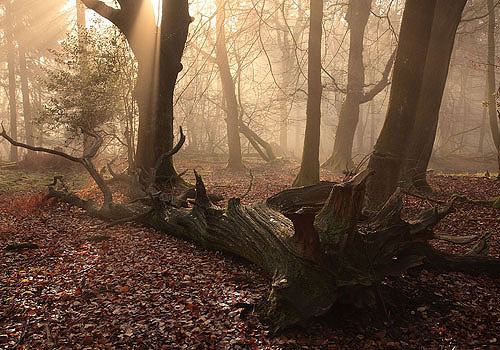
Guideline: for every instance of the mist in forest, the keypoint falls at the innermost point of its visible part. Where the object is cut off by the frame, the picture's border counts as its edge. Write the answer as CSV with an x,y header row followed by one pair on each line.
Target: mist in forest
x,y
245,68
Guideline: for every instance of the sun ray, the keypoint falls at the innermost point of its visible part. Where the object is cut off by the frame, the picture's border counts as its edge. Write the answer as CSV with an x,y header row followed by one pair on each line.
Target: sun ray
x,y
157,9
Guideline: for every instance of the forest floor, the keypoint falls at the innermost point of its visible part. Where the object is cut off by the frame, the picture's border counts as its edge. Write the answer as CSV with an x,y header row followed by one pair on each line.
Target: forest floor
x,y
130,287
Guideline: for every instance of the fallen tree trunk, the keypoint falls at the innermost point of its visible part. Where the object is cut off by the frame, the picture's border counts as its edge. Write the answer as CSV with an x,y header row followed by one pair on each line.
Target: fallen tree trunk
x,y
306,238
257,142
309,244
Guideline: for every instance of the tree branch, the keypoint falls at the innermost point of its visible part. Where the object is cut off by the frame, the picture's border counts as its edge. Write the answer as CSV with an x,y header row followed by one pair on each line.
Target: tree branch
x,y
106,11
374,91
37,149
85,161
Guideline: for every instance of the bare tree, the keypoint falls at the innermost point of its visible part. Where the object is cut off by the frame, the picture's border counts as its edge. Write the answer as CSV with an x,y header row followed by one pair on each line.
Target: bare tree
x,y
309,169
391,146
357,15
447,16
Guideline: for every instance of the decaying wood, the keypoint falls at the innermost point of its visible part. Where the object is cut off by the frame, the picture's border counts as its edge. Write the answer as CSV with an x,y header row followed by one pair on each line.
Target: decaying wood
x,y
307,239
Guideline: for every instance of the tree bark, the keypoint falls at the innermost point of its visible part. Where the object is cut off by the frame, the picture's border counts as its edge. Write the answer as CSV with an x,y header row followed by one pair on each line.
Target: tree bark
x,y
357,18
447,16
391,147
309,168
11,63
233,135
492,106
23,73
174,30
136,20
266,152
482,130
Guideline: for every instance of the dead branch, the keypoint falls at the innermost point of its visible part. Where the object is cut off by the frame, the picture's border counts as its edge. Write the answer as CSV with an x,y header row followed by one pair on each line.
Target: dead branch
x,y
60,179
85,160
168,154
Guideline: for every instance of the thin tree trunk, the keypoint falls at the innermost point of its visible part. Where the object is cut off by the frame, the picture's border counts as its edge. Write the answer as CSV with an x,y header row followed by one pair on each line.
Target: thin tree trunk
x,y
286,66
11,62
357,17
482,131
81,24
309,169
23,73
492,107
391,146
233,135
447,16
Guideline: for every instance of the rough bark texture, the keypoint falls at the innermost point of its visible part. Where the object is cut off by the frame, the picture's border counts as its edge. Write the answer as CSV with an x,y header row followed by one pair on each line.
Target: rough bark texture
x,y
309,168
447,16
314,253
392,143
233,136
174,30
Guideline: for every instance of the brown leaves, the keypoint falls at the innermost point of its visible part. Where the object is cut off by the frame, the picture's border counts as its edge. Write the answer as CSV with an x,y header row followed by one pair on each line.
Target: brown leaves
x,y
138,288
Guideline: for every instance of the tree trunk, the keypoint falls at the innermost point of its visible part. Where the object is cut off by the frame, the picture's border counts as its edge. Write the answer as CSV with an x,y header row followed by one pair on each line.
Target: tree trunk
x,y
391,146
81,23
309,168
233,135
174,30
266,152
136,20
492,106
357,17
286,67
482,130
447,16
307,240
11,63
23,73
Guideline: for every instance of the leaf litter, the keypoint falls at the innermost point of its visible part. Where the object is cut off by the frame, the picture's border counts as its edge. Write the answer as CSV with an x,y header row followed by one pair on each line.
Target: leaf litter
x,y
129,287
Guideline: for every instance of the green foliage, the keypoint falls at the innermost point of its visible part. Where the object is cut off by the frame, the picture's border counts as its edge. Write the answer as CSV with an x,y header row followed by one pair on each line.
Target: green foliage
x,y
91,82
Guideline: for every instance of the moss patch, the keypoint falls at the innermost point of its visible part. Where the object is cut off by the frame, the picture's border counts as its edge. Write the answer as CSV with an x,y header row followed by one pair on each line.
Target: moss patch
x,y
13,180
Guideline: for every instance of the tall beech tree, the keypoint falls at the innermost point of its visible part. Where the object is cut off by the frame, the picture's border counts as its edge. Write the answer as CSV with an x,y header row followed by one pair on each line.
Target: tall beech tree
x,y
357,15
25,90
392,144
447,16
229,93
492,106
11,63
309,168
158,54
